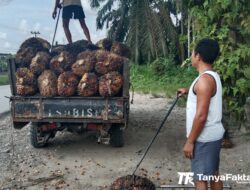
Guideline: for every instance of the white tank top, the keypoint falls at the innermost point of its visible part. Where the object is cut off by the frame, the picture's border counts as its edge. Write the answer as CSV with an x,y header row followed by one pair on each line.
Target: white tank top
x,y
71,2
213,129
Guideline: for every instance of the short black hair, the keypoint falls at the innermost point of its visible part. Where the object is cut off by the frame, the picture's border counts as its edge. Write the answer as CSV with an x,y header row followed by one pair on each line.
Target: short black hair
x,y
208,49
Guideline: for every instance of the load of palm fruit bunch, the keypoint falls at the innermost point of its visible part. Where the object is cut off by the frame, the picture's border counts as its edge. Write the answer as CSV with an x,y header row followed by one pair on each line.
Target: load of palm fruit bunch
x,y
38,44
24,57
101,55
25,82
28,50
80,46
85,63
25,90
67,83
120,49
79,68
88,85
47,83
56,50
132,182
40,62
110,84
104,44
108,62
62,62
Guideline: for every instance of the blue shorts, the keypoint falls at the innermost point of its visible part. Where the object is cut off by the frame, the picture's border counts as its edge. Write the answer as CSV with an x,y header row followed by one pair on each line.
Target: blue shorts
x,y
206,159
73,11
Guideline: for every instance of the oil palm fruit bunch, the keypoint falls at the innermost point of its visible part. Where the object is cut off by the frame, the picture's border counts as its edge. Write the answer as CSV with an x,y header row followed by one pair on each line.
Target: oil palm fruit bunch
x,y
132,182
25,90
79,46
38,44
24,57
110,84
112,62
62,62
47,83
26,82
24,76
120,49
104,44
67,84
85,63
88,85
101,55
40,62
56,50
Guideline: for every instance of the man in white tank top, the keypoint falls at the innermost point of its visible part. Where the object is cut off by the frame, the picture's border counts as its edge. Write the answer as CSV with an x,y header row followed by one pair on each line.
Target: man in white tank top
x,y
204,114
72,9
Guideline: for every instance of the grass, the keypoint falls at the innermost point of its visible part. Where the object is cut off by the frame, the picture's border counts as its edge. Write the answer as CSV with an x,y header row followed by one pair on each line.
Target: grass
x,y
145,80
4,79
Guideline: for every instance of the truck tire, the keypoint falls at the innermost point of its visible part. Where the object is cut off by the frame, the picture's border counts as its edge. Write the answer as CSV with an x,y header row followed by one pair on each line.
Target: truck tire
x,y
36,137
116,136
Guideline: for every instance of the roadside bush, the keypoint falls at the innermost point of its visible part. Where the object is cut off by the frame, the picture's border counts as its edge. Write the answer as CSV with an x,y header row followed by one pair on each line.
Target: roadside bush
x,y
161,65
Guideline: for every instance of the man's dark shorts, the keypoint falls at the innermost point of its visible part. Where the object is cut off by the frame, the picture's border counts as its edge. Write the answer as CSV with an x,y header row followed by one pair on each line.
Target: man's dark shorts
x,y
206,158
73,11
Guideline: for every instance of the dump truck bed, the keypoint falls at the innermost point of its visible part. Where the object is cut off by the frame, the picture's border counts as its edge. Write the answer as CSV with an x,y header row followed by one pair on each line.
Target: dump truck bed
x,y
75,109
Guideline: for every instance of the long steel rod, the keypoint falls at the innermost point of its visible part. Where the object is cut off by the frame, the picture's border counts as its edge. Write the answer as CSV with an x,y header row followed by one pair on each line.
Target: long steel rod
x,y
158,131
58,16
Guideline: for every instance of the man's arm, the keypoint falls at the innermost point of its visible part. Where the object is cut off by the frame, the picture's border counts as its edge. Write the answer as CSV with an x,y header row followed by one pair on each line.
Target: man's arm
x,y
204,89
57,5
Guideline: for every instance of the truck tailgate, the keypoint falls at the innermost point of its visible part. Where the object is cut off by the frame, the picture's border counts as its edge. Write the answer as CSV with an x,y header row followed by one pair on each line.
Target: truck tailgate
x,y
61,109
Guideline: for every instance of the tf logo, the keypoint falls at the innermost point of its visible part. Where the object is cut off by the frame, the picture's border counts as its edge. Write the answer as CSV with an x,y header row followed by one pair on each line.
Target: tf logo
x,y
185,178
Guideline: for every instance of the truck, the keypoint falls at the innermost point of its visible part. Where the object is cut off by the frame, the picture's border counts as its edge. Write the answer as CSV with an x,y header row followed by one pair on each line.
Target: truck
x,y
106,116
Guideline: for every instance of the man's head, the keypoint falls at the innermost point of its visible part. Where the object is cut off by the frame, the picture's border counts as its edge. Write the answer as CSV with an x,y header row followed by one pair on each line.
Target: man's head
x,y
206,51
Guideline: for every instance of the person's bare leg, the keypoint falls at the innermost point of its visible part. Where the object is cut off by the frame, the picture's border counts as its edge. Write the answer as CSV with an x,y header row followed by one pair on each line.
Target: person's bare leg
x,y
85,29
216,185
201,185
66,30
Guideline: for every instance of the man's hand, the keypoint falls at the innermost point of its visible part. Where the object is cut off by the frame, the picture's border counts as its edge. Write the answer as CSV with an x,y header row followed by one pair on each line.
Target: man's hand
x,y
54,14
181,91
188,150
59,6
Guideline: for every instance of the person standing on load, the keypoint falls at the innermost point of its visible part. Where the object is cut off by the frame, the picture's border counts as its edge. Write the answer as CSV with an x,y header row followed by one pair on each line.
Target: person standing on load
x,y
204,113
72,9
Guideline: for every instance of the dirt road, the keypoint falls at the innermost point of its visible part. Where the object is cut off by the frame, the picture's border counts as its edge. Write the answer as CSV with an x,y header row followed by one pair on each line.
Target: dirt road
x,y
78,162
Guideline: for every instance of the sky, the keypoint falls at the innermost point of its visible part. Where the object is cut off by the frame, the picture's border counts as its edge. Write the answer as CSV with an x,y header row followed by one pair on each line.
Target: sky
x,y
19,17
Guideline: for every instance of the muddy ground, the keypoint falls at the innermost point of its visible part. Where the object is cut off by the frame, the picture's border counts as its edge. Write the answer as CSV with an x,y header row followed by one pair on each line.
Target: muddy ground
x,y
71,161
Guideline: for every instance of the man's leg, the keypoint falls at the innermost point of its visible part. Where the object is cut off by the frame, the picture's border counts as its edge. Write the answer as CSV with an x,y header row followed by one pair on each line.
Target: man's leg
x,y
216,185
85,29
66,30
201,185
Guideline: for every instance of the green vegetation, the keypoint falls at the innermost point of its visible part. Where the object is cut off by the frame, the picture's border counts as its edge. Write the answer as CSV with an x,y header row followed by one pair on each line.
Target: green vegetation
x,y
228,21
144,79
4,79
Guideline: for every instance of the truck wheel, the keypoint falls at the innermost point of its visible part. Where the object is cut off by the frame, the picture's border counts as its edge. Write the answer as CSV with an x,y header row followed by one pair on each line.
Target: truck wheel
x,y
116,136
37,139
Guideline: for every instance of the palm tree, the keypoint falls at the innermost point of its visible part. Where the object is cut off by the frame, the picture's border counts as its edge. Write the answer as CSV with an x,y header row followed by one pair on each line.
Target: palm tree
x,y
145,25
